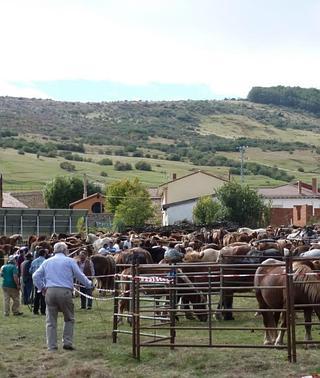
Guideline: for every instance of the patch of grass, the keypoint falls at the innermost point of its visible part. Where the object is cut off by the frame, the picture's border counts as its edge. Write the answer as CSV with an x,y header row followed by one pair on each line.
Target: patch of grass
x,y
23,351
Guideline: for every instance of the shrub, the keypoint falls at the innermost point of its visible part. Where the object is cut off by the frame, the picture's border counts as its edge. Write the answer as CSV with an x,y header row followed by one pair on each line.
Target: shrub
x,y
105,161
104,174
137,154
118,166
143,166
67,166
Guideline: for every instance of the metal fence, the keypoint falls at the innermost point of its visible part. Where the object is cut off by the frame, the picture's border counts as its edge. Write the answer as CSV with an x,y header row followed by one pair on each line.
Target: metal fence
x,y
40,221
156,294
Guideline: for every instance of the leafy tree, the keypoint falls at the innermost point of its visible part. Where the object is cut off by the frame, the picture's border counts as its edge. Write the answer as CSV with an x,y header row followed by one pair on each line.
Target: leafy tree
x,y
62,190
206,211
130,202
133,211
241,204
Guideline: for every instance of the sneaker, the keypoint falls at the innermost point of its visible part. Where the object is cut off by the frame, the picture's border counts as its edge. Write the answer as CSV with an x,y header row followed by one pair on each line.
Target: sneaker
x,y
68,347
89,308
54,349
18,313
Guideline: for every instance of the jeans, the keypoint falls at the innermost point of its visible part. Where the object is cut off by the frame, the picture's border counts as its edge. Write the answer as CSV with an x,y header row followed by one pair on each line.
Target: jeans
x,y
86,302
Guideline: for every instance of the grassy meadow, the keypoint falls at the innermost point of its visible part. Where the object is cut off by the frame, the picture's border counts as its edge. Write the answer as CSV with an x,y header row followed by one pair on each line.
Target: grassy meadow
x,y
27,172
23,351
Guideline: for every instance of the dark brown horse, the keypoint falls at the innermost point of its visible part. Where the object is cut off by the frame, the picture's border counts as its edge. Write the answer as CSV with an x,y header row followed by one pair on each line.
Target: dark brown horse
x,y
133,256
105,268
269,278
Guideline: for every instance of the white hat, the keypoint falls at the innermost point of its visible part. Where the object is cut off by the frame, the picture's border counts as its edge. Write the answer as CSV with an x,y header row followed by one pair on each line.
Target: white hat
x,y
11,258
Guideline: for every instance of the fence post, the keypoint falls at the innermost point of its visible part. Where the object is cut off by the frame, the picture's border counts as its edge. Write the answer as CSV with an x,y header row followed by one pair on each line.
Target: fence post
x,y
173,301
115,311
137,314
292,310
210,307
288,309
133,309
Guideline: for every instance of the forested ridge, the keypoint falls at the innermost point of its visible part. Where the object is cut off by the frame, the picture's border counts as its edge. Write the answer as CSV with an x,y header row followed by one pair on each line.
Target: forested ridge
x,y
307,99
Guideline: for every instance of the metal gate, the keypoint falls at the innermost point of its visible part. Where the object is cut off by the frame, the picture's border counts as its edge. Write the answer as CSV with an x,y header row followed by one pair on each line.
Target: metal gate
x,y
154,320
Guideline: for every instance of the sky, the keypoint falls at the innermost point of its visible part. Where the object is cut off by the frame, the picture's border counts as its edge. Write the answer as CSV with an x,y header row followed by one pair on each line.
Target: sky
x,y
107,50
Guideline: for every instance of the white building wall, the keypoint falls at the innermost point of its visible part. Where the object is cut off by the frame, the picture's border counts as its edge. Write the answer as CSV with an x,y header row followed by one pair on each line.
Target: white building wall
x,y
178,213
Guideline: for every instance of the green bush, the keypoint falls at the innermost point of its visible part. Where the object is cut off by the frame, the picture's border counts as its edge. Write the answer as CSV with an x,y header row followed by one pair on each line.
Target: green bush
x,y
118,166
143,166
67,166
105,161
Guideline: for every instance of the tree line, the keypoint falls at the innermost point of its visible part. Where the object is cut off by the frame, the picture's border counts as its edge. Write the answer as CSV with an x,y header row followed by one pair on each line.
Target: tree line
x,y
307,99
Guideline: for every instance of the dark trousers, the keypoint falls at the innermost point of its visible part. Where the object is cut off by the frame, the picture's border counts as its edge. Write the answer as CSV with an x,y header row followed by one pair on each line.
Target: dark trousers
x,y
27,290
85,302
39,301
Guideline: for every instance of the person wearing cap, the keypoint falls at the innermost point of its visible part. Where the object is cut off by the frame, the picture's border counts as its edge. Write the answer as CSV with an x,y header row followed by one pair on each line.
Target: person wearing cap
x,y
10,286
104,250
55,278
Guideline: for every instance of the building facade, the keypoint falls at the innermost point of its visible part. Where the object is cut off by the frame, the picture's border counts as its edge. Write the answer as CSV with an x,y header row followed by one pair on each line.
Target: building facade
x,y
180,195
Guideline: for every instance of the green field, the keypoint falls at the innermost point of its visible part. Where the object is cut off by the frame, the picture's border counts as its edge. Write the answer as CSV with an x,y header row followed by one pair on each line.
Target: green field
x,y
233,126
23,351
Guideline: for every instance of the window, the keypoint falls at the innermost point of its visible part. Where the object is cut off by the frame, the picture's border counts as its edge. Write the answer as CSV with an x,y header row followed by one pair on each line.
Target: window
x,y
97,207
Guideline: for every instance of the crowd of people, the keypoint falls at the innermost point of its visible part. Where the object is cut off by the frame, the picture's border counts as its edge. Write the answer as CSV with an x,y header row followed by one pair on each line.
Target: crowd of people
x,y
46,283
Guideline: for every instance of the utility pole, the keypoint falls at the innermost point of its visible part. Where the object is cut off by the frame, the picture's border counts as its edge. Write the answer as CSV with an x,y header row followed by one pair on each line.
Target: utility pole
x,y
85,186
242,150
1,190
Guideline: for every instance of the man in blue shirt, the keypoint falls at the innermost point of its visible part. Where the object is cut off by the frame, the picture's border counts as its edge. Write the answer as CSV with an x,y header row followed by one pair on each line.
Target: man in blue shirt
x,y
38,297
55,277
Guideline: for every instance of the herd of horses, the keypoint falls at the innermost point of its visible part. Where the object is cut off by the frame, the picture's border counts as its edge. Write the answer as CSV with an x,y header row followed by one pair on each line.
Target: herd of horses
x,y
253,258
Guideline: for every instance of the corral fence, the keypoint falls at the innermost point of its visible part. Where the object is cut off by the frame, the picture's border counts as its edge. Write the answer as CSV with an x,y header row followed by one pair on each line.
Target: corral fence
x,y
156,296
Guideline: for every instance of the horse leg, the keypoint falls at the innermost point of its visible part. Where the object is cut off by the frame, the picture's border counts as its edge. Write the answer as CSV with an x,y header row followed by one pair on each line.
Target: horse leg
x,y
185,306
268,320
227,304
308,319
218,314
279,340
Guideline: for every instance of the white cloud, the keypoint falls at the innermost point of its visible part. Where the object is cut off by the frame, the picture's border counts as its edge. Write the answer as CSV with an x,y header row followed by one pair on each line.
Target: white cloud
x,y
138,42
10,89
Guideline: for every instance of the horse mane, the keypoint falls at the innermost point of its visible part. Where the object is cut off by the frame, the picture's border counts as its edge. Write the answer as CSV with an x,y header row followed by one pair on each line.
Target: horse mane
x,y
305,281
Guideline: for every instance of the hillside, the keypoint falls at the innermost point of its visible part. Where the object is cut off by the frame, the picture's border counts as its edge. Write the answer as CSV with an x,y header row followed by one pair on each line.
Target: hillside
x,y
171,136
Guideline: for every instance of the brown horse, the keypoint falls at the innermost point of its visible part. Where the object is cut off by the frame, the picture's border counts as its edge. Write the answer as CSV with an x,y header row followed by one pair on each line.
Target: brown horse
x,y
274,297
133,256
105,268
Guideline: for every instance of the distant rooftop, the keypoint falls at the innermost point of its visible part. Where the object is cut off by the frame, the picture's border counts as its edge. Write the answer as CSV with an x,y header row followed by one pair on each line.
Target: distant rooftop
x,y
10,201
289,190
